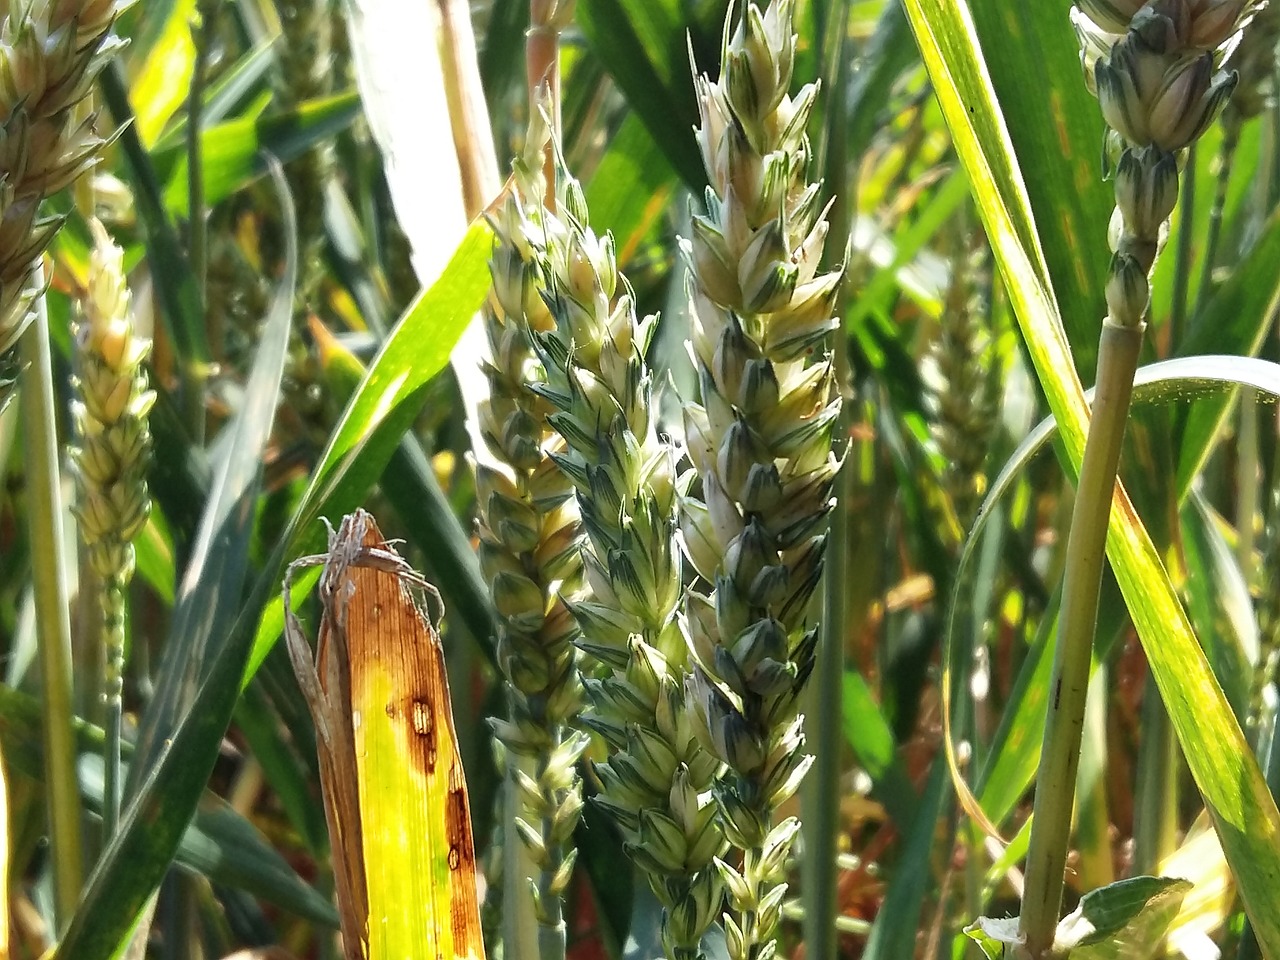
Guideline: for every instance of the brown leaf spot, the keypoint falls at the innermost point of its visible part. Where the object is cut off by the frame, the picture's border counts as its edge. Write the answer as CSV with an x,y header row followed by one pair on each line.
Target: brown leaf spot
x,y
458,827
422,719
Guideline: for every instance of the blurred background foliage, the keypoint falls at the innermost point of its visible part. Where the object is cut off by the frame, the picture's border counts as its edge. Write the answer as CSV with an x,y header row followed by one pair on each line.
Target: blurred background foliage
x,y
265,320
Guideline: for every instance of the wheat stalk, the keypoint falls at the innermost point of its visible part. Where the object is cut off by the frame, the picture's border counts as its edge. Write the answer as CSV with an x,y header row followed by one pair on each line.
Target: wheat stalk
x,y
1155,70
111,455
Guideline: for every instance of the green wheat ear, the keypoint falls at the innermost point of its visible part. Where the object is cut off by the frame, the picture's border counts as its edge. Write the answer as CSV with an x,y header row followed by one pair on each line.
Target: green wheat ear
x,y
761,443
111,455
50,54
966,379
655,784
530,555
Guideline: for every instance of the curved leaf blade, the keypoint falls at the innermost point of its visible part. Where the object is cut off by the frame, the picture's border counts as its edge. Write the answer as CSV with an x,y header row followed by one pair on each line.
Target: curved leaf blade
x,y
1242,808
379,413
233,153
213,581
1039,63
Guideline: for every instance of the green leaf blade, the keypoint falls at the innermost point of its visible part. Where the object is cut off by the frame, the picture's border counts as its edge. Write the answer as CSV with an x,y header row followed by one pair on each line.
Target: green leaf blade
x,y
152,825
1242,808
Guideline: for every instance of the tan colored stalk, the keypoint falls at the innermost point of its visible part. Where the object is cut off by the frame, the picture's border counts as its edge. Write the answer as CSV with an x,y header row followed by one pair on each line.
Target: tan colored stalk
x,y
468,114
53,623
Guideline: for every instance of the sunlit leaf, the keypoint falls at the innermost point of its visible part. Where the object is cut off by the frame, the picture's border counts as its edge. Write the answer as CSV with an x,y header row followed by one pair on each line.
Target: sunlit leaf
x,y
152,824
1125,920
234,153
160,88
1224,769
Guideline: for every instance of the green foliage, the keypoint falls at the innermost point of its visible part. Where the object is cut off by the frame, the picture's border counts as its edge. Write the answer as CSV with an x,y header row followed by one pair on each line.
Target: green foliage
x,y
969,161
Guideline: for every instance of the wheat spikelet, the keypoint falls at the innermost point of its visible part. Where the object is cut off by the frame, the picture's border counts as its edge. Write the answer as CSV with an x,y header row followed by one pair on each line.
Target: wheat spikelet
x,y
761,442
530,542
111,454
50,53
656,782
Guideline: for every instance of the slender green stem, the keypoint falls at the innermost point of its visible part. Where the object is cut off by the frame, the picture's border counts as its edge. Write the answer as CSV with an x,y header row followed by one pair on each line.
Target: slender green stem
x,y
1226,160
1086,553
112,613
821,795
53,618
1186,232
197,226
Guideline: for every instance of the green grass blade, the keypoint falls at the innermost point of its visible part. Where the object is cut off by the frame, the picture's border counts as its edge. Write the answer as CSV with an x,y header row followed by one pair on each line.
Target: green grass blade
x,y
386,404
430,521
1235,320
1224,768
869,736
175,283
213,582
379,413
1056,131
219,843
630,192
155,556
1219,603
235,152
165,56
1241,214
222,97
642,44
285,765
1014,752
49,589
935,213
179,476
893,934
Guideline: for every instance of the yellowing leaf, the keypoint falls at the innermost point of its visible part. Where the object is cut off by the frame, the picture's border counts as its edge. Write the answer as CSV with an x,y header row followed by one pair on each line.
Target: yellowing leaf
x,y
394,790
161,86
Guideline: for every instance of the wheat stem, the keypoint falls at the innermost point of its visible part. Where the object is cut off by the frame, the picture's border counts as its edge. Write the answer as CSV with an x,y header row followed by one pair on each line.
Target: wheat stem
x,y
1125,44
53,621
